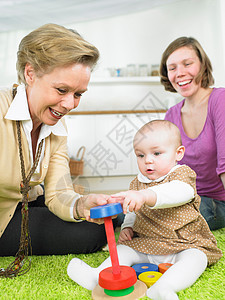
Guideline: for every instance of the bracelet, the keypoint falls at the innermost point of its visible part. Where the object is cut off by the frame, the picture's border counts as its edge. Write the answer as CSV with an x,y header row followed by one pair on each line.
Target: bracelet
x,y
76,209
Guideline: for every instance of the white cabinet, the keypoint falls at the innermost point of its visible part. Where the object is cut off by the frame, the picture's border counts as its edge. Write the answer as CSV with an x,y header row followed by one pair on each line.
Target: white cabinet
x,y
117,80
124,93
108,140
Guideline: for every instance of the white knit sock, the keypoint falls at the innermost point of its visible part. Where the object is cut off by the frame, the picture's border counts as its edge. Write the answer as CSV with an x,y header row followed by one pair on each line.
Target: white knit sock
x,y
161,293
82,273
189,265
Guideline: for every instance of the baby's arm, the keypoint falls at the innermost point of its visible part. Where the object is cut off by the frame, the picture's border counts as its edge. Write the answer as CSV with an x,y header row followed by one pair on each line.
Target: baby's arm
x,y
135,199
129,220
170,194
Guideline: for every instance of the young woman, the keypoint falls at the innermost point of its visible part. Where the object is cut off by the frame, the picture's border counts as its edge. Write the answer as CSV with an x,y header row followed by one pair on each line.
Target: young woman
x,y
186,69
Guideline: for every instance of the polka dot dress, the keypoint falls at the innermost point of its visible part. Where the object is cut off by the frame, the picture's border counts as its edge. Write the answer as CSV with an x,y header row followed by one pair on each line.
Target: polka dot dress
x,y
171,230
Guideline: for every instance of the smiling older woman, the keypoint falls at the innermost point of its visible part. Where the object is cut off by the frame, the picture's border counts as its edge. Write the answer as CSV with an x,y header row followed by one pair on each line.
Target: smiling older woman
x,y
54,66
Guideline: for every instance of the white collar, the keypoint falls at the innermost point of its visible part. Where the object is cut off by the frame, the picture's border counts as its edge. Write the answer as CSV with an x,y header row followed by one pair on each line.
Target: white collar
x,y
19,110
145,179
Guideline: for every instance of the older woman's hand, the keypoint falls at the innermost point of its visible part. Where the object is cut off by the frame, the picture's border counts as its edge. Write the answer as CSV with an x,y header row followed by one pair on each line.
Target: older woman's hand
x,y
85,203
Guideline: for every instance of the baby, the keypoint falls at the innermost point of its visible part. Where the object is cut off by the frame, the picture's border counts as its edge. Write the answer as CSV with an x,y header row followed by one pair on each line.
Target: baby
x,y
162,223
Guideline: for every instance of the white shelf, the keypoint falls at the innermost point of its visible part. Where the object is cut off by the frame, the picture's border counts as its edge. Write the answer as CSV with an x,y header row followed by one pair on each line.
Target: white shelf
x,y
137,79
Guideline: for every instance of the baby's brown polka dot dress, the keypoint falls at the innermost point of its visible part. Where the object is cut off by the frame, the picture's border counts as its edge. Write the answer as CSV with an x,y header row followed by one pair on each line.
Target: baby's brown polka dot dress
x,y
171,230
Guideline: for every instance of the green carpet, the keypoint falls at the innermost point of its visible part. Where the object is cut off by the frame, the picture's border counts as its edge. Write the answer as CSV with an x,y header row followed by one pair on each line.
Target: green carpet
x,y
48,279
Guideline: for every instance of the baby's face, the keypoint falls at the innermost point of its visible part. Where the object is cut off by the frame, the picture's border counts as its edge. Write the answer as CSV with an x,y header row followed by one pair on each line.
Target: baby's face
x,y
156,153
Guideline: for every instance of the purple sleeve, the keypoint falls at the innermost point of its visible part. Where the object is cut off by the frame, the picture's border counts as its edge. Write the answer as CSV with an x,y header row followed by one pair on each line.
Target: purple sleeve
x,y
217,114
173,114
169,116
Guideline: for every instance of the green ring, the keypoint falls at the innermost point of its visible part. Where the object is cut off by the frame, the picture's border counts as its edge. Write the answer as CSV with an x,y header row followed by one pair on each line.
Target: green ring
x,y
119,293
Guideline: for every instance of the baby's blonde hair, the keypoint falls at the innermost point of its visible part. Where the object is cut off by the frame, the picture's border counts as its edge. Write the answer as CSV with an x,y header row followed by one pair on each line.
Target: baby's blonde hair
x,y
173,130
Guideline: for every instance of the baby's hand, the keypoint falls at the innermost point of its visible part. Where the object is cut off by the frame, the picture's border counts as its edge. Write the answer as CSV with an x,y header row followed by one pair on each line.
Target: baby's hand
x,y
133,199
126,235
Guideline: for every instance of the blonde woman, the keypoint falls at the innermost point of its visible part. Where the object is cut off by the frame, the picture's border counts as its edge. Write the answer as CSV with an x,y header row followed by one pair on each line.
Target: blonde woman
x,y
54,66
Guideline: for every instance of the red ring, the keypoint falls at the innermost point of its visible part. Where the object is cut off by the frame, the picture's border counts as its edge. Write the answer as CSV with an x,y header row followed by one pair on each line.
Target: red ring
x,y
124,280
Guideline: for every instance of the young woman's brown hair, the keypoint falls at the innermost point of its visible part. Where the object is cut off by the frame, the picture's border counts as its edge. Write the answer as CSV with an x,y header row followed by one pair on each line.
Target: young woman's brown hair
x,y
205,74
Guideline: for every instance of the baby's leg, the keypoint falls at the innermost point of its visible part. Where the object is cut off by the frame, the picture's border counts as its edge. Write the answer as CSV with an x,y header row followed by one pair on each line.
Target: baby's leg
x,y
189,265
87,276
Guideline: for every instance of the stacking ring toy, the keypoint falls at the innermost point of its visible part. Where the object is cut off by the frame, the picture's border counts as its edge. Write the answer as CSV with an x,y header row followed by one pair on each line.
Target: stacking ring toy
x,y
115,278
106,211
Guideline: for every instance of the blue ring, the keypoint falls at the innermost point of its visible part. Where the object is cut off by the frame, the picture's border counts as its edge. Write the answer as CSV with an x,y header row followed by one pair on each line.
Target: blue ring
x,y
141,268
106,210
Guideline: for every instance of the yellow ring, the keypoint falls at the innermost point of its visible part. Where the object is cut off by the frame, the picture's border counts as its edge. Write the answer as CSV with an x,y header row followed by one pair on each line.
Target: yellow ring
x,y
149,278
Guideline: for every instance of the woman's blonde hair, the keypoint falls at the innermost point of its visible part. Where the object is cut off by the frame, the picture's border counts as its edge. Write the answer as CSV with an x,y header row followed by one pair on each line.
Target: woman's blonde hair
x,y
205,74
51,46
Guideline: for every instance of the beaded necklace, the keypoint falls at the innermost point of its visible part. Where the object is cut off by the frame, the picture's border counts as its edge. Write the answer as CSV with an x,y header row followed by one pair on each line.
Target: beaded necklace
x,y
22,262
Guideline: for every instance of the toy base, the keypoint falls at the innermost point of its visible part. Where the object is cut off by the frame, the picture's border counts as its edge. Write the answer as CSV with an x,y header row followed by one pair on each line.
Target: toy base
x,y
140,289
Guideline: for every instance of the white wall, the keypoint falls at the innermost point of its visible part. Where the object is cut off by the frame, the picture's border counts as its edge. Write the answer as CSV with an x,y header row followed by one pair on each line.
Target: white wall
x,y
142,37
222,18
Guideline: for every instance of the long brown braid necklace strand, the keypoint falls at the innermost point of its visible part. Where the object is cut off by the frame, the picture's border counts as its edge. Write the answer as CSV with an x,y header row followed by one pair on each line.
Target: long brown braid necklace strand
x,y
22,263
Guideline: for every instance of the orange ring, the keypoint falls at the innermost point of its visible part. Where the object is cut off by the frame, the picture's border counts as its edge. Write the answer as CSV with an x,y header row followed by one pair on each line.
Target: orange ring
x,y
164,267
